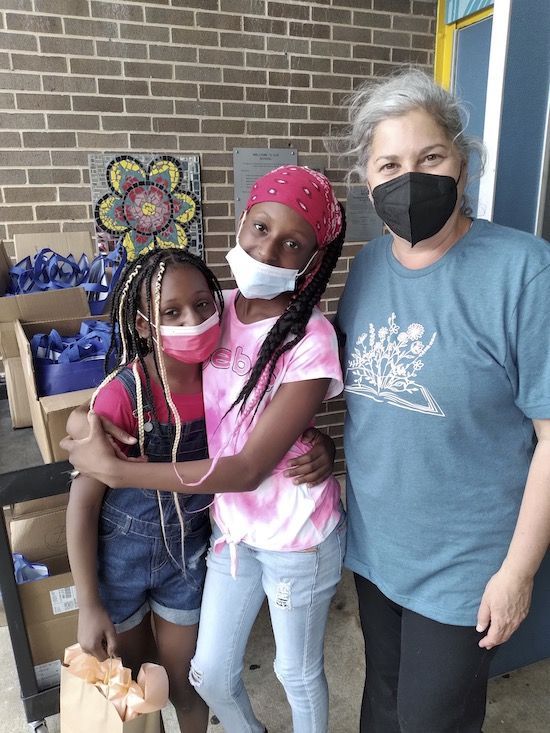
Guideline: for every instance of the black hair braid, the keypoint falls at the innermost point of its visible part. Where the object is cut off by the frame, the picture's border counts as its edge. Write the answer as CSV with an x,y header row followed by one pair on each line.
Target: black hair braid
x,y
115,345
293,322
150,274
129,298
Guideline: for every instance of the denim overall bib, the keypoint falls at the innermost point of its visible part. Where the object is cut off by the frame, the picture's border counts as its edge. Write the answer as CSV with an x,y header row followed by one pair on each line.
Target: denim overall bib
x,y
139,569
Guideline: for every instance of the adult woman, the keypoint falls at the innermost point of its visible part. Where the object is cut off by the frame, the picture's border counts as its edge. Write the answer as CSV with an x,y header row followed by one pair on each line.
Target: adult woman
x,y
447,354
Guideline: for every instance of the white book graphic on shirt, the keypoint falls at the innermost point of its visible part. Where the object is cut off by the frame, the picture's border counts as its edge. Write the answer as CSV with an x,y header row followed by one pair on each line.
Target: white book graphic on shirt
x,y
385,363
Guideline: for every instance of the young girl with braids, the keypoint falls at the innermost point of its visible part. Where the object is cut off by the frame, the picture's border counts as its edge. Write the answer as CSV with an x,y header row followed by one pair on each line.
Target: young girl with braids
x,y
140,554
277,360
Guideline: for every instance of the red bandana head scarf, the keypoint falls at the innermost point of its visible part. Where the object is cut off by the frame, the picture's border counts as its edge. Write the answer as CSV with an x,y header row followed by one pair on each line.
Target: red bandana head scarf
x,y
307,192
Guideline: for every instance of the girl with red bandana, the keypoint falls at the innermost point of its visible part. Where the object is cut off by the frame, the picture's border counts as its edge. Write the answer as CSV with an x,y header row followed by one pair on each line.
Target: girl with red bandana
x,y
277,360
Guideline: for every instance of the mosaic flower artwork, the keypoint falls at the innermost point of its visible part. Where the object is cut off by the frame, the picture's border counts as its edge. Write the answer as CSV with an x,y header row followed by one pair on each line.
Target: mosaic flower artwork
x,y
146,205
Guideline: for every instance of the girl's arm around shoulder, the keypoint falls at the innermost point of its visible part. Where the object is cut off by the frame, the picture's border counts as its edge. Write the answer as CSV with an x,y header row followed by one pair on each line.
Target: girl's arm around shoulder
x,y
282,422
286,417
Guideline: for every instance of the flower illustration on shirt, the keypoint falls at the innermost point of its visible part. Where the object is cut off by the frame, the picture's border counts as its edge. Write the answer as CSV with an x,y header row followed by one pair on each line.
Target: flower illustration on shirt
x,y
385,364
145,206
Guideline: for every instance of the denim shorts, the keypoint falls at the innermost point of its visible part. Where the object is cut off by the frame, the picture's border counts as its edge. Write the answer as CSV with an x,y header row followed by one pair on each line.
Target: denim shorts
x,y
136,573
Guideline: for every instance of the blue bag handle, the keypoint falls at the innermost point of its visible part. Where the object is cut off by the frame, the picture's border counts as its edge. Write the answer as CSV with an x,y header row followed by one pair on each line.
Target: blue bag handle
x,y
84,267
52,271
40,269
93,343
97,286
57,345
101,327
21,281
64,272
48,271
40,346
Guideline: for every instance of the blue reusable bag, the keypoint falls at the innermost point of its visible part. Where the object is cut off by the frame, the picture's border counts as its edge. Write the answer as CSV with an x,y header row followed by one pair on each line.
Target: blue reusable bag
x,y
69,363
25,571
98,284
48,270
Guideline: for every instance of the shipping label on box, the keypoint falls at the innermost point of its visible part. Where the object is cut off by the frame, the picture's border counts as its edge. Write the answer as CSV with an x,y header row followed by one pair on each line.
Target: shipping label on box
x,y
63,600
48,674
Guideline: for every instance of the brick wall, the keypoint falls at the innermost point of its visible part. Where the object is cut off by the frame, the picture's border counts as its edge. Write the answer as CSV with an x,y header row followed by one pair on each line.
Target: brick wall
x,y
188,76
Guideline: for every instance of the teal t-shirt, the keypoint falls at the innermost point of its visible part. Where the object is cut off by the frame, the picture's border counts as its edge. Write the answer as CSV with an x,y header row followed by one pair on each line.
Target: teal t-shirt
x,y
445,368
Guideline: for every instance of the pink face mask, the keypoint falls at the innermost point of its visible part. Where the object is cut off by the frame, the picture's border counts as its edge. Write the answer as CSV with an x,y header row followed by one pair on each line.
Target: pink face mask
x,y
191,344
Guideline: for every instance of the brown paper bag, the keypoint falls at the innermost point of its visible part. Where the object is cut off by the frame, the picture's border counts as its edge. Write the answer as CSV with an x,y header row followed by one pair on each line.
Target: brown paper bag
x,y
84,709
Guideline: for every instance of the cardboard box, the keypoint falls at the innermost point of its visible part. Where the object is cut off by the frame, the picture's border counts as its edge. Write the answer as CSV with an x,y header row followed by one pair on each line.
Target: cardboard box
x,y
18,402
50,613
64,243
39,535
49,414
53,304
38,506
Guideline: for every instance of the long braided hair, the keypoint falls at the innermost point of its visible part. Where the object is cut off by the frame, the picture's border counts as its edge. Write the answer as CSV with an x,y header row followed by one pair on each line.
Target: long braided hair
x,y
291,325
142,279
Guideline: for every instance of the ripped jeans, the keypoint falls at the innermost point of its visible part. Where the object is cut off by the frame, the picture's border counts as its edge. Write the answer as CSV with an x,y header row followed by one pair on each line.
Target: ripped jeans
x,y
299,587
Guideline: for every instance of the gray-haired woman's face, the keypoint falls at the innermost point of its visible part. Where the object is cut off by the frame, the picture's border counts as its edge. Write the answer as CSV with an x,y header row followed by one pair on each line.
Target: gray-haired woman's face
x,y
413,142
412,175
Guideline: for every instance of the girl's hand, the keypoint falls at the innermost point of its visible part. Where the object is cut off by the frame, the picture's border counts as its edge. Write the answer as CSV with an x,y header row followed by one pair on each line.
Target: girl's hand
x,y
317,464
118,434
504,605
115,436
78,427
94,455
96,633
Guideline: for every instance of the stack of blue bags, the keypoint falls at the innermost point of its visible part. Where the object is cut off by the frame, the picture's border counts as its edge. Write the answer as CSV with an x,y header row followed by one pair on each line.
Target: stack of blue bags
x,y
48,270
70,363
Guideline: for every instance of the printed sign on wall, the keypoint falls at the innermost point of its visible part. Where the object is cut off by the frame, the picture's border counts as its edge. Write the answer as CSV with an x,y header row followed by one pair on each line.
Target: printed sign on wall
x,y
251,163
363,223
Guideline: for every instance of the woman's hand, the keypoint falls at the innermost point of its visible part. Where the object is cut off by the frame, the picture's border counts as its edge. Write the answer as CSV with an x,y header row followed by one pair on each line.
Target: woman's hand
x,y
94,455
507,596
96,633
504,605
317,464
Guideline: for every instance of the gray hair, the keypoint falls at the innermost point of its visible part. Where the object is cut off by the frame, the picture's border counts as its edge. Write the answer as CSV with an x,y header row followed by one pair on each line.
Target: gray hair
x,y
375,101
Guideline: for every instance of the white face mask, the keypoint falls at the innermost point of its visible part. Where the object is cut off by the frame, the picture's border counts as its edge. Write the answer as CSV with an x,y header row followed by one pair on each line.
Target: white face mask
x,y
256,279
197,330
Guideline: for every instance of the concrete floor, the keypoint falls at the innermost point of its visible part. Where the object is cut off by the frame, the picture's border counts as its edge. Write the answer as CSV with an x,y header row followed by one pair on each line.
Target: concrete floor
x,y
517,703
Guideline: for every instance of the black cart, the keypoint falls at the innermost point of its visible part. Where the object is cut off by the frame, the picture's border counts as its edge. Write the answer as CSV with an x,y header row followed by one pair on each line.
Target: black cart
x,y
29,483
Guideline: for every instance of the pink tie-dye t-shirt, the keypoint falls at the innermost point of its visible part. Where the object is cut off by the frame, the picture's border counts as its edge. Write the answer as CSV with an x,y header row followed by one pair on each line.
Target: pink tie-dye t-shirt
x,y
278,515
